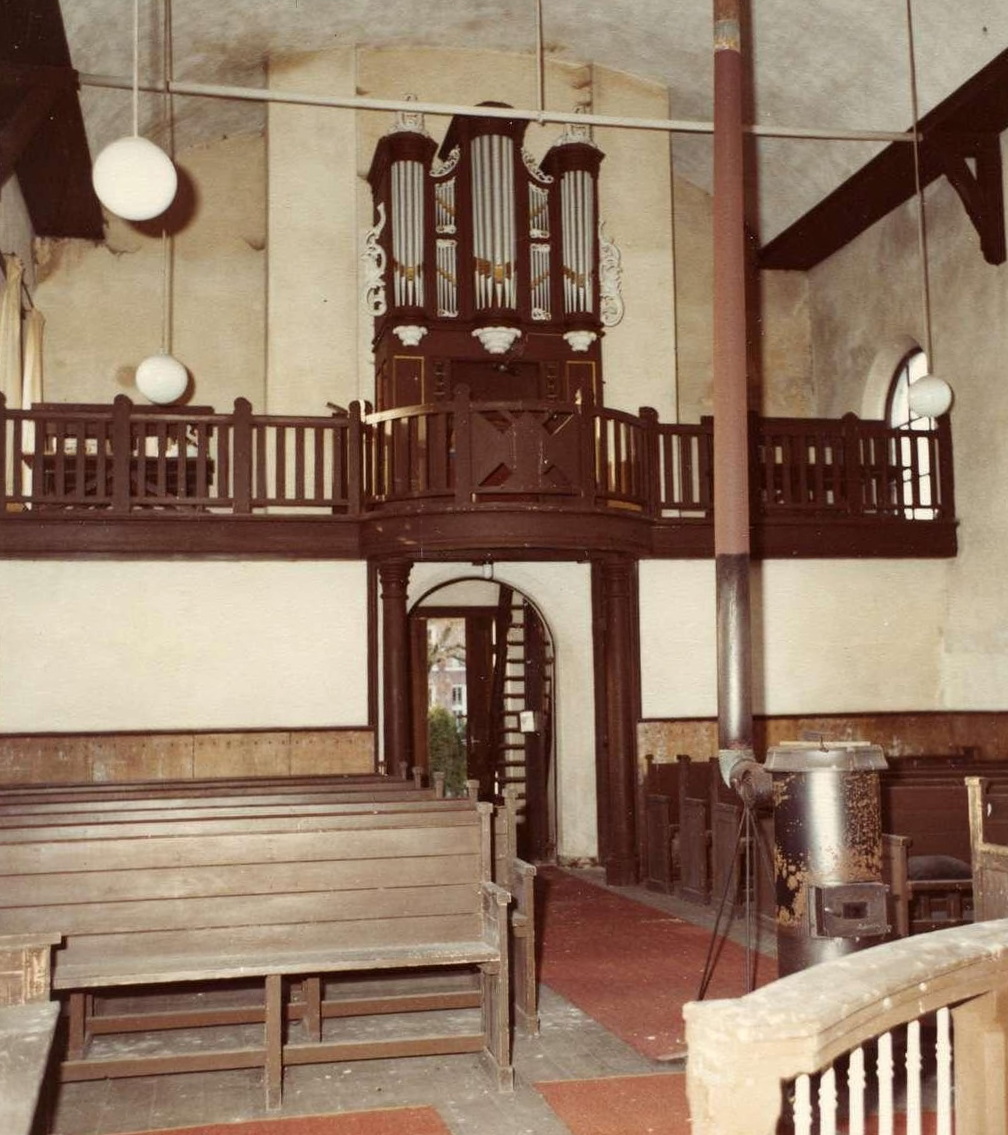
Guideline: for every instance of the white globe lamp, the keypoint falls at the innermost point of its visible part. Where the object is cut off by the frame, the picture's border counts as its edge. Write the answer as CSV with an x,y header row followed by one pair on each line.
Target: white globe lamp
x,y
162,379
930,396
134,179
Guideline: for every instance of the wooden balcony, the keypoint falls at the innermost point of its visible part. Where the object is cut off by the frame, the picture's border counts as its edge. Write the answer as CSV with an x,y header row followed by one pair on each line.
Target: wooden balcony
x,y
454,480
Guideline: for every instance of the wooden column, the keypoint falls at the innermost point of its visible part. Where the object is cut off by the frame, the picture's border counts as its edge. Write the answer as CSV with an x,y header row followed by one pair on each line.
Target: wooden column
x,y
393,576
619,693
731,469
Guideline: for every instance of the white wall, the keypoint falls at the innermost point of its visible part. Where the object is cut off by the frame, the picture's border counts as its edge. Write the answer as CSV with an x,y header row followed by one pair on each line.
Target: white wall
x,y
855,330
829,636
103,302
562,593
98,646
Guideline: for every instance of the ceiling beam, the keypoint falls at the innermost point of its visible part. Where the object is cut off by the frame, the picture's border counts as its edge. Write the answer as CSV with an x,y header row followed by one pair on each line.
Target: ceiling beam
x,y
42,138
965,128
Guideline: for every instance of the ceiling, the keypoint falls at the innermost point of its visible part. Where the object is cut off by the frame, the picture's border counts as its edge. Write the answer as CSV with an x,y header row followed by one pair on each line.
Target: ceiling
x,y
828,65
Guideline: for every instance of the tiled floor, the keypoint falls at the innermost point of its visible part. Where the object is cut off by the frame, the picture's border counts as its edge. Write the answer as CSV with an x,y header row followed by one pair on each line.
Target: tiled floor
x,y
570,1046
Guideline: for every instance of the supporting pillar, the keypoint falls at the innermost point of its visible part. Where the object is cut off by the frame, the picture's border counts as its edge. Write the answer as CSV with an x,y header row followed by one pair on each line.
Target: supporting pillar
x,y
620,854
394,577
731,445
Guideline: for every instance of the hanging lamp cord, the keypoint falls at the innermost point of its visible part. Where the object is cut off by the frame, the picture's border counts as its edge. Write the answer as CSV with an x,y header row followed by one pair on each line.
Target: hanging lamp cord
x,y
167,244
919,190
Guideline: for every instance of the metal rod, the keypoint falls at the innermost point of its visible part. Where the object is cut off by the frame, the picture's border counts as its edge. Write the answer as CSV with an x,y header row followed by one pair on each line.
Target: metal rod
x,y
540,61
448,110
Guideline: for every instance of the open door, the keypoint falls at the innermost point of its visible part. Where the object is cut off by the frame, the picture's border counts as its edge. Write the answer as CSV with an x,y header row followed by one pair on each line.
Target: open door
x,y
488,668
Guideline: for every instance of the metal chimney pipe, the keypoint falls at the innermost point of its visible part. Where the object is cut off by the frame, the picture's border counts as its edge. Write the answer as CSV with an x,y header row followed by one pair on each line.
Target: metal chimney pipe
x,y
731,433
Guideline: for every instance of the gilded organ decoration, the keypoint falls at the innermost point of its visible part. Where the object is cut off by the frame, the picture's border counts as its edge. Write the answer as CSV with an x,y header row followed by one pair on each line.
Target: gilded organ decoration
x,y
491,270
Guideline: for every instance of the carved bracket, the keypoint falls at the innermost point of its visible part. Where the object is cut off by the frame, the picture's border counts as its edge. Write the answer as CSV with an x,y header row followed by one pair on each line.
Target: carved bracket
x,y
972,164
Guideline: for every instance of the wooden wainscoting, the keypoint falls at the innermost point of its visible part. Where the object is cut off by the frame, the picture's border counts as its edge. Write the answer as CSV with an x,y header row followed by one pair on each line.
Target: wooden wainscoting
x,y
63,758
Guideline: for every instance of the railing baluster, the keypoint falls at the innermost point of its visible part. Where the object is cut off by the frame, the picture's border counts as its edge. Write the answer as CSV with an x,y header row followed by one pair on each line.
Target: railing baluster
x,y
856,1092
319,436
885,1084
943,1079
299,464
803,1106
913,1077
827,1101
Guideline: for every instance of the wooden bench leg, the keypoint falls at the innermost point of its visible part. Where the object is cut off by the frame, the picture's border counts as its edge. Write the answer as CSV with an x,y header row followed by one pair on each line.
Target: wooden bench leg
x,y
311,995
78,1038
273,1071
496,990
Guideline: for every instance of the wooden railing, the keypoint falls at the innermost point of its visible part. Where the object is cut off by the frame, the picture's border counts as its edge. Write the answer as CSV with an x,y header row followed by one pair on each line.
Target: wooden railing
x,y
787,1048
123,458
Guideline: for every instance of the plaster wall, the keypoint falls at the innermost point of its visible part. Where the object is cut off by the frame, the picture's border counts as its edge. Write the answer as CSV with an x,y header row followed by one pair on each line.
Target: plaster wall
x,y
562,593
98,645
103,302
314,236
781,379
855,354
840,636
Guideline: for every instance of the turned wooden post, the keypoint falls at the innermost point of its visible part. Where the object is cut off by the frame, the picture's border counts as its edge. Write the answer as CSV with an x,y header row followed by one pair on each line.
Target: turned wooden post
x,y
619,692
241,448
394,578
122,407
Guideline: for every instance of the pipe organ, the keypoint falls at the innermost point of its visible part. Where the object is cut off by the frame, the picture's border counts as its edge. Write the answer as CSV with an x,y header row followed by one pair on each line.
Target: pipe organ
x,y
485,265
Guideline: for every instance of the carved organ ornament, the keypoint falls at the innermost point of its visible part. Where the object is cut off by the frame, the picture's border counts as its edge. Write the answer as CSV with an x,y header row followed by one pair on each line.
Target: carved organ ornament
x,y
483,268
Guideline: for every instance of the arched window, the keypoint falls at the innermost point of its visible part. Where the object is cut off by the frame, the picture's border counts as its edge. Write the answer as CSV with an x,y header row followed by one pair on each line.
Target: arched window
x,y
913,454
898,413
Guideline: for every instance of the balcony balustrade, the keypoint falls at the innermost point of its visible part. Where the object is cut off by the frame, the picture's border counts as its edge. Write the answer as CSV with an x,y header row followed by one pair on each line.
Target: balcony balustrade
x,y
458,476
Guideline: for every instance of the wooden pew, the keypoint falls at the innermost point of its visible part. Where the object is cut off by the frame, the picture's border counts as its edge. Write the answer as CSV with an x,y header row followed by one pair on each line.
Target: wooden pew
x,y
659,806
341,889
28,1021
694,830
988,819
206,799
930,876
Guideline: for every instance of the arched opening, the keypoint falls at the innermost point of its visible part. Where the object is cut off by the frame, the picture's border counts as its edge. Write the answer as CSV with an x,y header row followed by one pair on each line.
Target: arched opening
x,y
915,454
483,699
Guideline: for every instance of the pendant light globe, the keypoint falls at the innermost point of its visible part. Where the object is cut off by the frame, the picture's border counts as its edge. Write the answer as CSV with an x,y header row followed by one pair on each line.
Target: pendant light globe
x,y
162,379
134,179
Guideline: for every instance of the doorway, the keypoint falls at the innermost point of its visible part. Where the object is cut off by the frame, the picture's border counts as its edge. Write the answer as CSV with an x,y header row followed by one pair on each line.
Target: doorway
x,y
482,684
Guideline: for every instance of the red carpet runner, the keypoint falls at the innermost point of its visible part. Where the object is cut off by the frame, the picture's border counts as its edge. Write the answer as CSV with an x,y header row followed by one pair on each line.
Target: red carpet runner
x,y
644,1105
628,966
390,1121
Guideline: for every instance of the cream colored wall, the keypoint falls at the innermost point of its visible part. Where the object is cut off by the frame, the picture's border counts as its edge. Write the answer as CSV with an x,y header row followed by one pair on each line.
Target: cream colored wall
x,y
562,593
314,241
103,302
635,185
839,636
96,645
781,377
970,340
